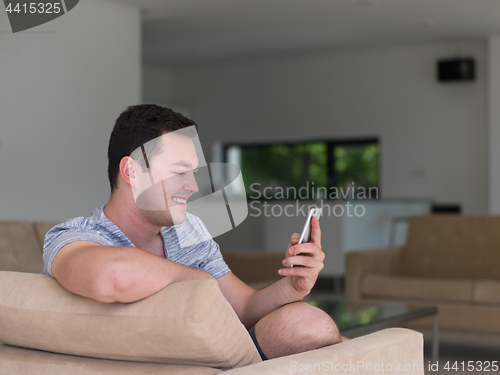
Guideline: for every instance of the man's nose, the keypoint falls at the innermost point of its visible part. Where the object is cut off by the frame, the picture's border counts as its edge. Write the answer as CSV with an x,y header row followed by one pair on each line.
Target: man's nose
x,y
191,184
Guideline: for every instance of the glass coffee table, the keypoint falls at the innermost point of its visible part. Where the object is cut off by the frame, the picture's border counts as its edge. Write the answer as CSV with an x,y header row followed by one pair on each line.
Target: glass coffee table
x,y
356,318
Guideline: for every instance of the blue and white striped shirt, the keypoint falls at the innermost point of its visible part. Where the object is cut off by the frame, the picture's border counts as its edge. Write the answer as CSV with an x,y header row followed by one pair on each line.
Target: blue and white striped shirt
x,y
188,243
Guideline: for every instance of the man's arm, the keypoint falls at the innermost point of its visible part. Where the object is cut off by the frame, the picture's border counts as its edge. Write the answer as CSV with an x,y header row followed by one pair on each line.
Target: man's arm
x,y
251,305
117,274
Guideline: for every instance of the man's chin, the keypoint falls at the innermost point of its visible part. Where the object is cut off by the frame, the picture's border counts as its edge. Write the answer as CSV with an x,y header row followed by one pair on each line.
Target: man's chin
x,y
179,218
177,215
163,218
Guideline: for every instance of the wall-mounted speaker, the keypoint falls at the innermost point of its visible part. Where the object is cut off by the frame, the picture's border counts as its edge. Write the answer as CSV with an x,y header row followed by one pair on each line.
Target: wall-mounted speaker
x,y
456,70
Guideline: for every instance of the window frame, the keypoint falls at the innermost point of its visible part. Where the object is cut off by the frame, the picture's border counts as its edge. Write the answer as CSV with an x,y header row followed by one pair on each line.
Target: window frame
x,y
331,143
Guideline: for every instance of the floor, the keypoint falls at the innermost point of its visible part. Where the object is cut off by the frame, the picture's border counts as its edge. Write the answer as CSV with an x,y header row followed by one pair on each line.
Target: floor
x,y
482,349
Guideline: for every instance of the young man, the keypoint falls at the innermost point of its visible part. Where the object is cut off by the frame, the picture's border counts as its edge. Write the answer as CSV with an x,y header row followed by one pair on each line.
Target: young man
x,y
143,240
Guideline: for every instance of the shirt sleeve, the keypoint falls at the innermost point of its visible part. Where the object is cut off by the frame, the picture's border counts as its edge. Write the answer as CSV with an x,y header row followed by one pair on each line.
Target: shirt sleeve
x,y
58,237
208,250
215,264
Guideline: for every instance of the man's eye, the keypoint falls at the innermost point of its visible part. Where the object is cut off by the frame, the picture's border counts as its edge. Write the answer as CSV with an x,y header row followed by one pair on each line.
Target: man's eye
x,y
180,173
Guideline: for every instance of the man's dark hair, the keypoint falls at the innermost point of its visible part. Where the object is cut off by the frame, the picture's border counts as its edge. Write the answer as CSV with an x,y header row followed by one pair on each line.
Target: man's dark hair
x,y
137,125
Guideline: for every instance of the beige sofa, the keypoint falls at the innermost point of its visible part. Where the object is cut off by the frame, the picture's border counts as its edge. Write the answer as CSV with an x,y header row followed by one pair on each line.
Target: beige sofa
x,y
186,328
451,261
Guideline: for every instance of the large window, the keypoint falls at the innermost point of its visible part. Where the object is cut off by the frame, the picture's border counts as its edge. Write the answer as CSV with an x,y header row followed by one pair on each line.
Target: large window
x,y
332,169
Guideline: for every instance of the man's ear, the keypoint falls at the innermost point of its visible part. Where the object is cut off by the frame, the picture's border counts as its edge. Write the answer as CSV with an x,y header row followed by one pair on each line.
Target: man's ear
x,y
128,170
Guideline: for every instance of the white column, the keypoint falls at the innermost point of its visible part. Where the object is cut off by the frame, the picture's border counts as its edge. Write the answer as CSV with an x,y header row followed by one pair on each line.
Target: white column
x,y
494,123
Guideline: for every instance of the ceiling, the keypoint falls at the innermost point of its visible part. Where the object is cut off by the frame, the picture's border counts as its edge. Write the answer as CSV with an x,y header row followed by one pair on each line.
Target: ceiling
x,y
184,31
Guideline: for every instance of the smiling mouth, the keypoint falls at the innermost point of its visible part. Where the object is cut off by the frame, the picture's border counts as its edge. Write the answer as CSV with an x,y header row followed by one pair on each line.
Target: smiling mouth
x,y
179,200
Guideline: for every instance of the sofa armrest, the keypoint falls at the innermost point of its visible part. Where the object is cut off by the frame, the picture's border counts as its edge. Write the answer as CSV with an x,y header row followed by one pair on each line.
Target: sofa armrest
x,y
385,261
388,351
189,323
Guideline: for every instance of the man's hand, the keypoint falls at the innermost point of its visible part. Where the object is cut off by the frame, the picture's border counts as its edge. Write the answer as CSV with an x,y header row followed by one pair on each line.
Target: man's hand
x,y
251,306
308,264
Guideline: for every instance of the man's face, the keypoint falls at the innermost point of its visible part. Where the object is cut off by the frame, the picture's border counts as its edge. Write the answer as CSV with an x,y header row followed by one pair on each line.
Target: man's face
x,y
172,172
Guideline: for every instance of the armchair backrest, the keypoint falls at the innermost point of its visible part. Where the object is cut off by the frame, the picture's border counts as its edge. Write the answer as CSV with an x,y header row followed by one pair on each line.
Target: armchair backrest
x,y
453,247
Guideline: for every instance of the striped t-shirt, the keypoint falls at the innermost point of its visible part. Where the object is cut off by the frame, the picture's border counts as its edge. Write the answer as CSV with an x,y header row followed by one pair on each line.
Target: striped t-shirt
x,y
188,243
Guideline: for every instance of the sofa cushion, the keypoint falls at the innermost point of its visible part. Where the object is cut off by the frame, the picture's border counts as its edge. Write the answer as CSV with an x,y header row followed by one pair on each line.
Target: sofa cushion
x,y
372,354
35,362
487,291
452,247
19,247
410,287
41,229
185,323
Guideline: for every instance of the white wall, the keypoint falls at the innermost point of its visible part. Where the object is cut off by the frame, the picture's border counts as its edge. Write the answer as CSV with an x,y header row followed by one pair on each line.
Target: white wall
x,y
433,136
156,84
494,123
63,84
157,89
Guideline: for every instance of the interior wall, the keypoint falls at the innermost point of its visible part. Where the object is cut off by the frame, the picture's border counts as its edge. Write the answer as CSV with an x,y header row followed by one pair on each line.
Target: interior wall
x,y
63,84
157,88
433,135
494,123
156,84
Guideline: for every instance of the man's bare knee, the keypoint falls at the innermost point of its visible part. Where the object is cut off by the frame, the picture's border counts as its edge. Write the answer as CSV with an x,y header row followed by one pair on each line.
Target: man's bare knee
x,y
326,331
295,328
322,329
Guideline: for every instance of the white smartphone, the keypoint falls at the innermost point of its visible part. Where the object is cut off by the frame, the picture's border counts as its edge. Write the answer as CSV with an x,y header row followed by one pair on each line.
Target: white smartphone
x,y
306,232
